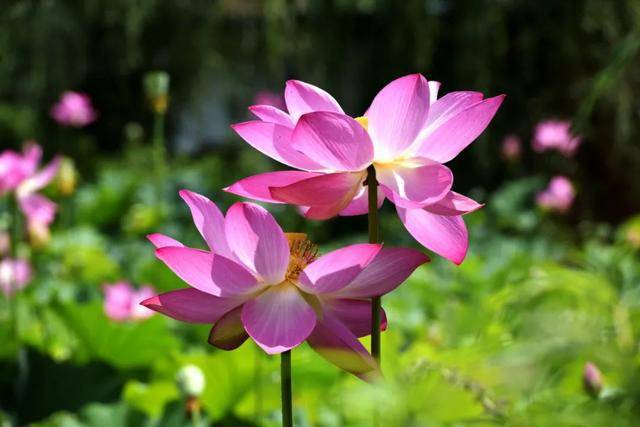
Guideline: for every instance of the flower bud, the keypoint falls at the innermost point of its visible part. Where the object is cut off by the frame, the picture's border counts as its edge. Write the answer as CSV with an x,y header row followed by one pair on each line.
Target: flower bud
x,y
592,379
67,178
633,238
39,234
190,380
631,232
156,86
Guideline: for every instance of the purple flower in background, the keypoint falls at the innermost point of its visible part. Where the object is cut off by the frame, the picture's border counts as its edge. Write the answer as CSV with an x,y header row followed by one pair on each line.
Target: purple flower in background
x,y
558,196
555,135
15,274
74,109
265,97
511,148
122,301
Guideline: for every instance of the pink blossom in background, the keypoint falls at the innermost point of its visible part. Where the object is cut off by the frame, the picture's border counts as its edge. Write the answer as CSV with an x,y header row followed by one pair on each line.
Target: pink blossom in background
x,y
16,167
406,135
122,301
15,274
555,135
19,173
256,281
511,148
74,109
558,196
266,97
40,213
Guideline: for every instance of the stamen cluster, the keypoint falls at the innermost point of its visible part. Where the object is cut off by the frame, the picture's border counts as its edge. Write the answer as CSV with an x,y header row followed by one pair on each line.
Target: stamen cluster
x,y
302,253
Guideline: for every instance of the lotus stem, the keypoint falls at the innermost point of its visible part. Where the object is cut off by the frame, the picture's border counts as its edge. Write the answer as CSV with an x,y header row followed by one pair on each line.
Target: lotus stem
x,y
372,186
285,385
14,226
159,150
257,383
196,418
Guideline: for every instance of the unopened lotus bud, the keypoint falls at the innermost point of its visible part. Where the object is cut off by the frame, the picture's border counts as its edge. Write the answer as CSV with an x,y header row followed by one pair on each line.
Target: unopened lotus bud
x,y
191,380
39,235
156,86
434,335
592,379
633,237
67,178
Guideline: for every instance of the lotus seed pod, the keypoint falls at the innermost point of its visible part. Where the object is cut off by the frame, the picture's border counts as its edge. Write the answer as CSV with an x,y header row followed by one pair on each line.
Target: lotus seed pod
x,y
191,380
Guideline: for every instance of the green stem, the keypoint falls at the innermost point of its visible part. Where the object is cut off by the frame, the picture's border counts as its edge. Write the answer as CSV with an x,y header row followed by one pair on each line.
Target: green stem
x,y
196,418
285,386
257,383
14,226
372,185
15,232
159,150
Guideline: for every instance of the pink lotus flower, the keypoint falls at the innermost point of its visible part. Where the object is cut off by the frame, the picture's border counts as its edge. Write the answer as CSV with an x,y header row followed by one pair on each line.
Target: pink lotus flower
x,y
15,274
256,281
406,135
74,109
558,196
555,135
16,167
122,301
511,148
19,173
265,97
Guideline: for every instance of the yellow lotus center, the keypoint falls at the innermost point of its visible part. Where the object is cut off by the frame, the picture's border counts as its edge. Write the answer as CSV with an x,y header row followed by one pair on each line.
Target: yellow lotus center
x,y
384,163
302,253
364,122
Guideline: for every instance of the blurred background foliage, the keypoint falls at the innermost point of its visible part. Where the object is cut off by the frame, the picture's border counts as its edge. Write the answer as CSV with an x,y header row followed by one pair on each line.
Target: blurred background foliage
x,y
501,340
571,59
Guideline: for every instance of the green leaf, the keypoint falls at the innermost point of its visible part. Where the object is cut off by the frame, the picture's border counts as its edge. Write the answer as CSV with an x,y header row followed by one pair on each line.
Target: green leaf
x,y
123,344
150,398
